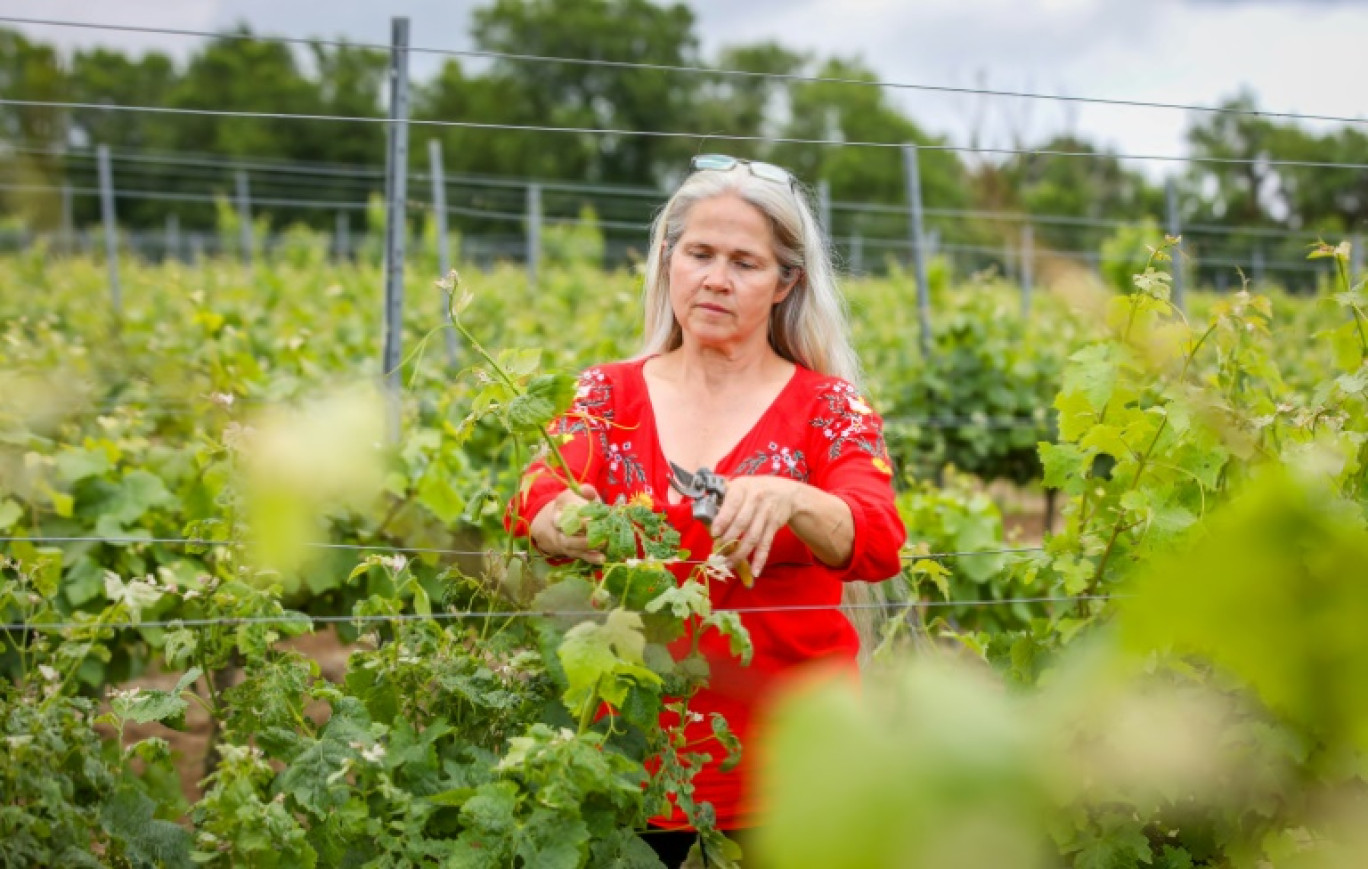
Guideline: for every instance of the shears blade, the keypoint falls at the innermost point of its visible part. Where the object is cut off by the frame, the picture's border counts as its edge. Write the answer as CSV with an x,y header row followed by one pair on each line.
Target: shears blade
x,y
684,482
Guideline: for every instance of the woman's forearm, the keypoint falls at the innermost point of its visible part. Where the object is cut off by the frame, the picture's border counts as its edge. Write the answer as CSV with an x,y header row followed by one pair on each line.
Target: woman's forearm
x,y
825,523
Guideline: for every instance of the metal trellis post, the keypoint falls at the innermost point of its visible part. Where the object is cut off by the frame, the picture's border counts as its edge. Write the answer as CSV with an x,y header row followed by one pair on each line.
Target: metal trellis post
x,y
1027,267
1175,229
172,236
396,167
244,208
824,209
919,252
1258,267
857,254
443,240
1356,259
111,228
68,222
341,237
534,225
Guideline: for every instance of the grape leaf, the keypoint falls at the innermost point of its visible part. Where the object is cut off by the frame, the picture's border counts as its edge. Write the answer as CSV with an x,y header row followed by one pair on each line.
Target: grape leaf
x,y
128,816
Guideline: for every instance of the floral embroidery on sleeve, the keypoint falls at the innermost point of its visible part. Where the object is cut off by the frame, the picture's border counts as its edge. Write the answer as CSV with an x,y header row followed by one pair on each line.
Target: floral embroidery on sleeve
x,y
592,415
623,461
777,460
849,421
592,410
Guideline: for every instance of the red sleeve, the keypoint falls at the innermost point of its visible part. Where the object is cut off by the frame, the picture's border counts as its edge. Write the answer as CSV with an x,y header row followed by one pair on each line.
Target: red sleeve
x,y
580,433
851,462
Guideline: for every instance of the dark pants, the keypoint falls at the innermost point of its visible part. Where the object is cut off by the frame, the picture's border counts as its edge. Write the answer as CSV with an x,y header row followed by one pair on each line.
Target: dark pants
x,y
672,846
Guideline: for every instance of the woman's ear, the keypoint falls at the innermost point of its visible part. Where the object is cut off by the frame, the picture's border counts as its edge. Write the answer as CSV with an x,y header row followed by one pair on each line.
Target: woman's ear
x,y
786,285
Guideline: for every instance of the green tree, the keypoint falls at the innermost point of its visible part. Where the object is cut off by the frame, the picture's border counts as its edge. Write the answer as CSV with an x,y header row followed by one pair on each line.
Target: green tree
x,y
452,95
861,113
109,77
1096,186
1242,193
748,105
593,96
239,73
1257,194
103,75
31,71
352,81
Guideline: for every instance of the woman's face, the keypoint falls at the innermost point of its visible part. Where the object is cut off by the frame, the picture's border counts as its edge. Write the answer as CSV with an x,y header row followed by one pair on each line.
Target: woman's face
x,y
724,277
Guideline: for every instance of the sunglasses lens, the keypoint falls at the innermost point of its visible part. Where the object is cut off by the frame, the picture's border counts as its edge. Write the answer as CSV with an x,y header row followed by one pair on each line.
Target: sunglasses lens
x,y
725,162
771,172
719,162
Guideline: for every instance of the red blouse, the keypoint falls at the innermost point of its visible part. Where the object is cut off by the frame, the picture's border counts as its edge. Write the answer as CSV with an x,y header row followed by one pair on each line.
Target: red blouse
x,y
819,430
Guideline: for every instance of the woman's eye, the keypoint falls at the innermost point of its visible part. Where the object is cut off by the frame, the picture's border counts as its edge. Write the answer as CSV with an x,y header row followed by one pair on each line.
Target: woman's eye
x,y
746,265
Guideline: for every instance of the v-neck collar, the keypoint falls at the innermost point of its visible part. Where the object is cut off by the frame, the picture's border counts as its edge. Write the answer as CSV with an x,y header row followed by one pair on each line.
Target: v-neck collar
x,y
663,461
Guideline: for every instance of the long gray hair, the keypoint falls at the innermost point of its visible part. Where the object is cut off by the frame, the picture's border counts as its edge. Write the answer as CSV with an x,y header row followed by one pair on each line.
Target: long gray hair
x,y
809,326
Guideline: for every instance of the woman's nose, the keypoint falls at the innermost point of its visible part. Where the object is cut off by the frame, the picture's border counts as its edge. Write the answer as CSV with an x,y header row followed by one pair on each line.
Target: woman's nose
x,y
718,275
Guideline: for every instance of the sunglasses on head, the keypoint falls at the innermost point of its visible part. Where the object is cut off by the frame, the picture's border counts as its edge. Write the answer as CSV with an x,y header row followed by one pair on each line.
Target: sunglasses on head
x,y
726,162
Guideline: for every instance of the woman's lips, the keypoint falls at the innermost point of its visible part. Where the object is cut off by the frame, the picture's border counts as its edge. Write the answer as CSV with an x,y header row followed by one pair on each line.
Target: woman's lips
x,y
714,308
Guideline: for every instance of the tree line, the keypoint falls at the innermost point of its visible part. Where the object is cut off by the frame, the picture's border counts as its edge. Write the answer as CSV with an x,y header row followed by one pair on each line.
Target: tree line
x,y
241,71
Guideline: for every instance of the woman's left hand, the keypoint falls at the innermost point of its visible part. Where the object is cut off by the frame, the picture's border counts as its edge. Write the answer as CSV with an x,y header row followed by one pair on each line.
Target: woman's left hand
x,y
753,511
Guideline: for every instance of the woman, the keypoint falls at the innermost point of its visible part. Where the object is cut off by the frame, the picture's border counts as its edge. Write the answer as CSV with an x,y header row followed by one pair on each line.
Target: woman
x,y
747,370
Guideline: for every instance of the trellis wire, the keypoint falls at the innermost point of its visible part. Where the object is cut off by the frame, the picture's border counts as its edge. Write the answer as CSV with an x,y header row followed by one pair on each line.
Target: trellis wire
x,y
675,134
224,163
706,71
191,541
193,407
519,217
519,614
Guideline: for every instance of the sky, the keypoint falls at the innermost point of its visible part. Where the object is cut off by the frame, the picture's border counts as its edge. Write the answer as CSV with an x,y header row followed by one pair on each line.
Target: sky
x,y
1305,56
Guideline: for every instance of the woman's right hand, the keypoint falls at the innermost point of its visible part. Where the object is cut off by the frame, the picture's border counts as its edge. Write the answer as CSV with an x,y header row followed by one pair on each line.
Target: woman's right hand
x,y
546,532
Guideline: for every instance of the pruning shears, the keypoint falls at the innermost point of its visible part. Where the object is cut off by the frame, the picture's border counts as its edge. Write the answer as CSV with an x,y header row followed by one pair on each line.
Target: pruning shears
x,y
706,490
